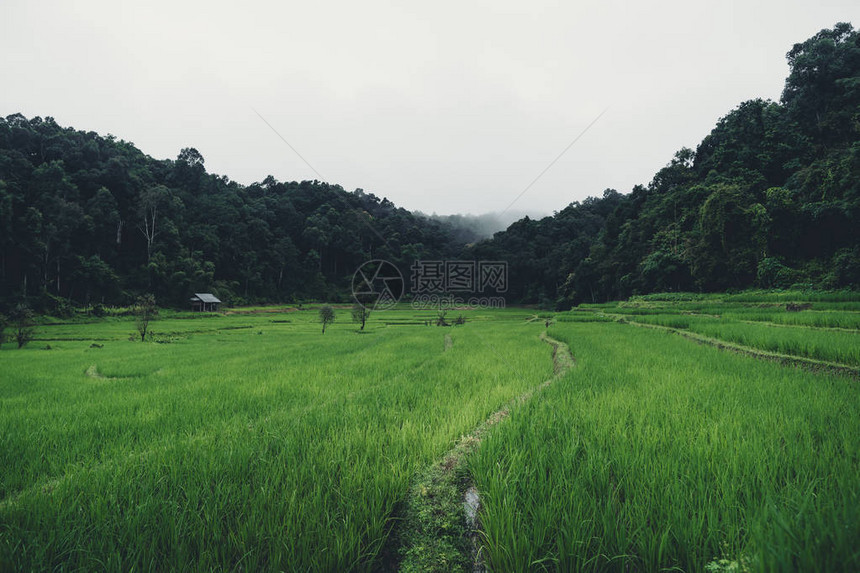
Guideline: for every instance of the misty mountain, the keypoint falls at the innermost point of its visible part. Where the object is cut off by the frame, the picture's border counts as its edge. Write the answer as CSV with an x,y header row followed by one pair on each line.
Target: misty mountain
x,y
468,228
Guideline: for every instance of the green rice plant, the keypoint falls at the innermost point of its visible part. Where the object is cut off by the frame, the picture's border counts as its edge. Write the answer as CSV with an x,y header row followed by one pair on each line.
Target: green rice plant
x,y
772,329
657,453
794,296
821,319
671,297
667,320
831,346
583,317
754,296
243,444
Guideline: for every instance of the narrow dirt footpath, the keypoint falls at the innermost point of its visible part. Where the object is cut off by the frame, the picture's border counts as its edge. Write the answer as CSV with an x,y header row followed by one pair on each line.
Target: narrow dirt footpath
x,y
790,360
439,529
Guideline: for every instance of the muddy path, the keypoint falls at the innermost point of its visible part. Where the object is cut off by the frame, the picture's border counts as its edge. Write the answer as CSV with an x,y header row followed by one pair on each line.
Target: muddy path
x,y
439,529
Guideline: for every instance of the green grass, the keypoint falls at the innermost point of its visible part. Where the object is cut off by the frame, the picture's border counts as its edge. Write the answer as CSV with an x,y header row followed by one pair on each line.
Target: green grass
x,y
250,441
829,332
838,347
820,319
656,453
243,444
841,347
780,296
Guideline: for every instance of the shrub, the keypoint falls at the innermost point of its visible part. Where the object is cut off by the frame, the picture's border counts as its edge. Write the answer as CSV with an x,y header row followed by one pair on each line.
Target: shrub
x,y
23,324
4,322
144,310
326,316
771,273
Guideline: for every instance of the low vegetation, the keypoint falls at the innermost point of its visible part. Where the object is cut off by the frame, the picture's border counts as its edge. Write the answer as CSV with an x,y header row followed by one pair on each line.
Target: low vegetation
x,y
327,316
23,324
245,441
248,440
658,453
827,330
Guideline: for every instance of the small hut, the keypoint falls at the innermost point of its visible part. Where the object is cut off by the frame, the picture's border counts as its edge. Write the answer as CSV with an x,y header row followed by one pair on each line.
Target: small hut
x,y
204,302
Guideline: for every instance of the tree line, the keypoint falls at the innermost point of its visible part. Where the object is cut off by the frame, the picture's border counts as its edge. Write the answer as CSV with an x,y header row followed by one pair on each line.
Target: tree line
x,y
769,198
91,219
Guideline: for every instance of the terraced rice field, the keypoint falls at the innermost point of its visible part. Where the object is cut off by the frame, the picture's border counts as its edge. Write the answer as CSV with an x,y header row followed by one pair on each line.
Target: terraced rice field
x,y
252,442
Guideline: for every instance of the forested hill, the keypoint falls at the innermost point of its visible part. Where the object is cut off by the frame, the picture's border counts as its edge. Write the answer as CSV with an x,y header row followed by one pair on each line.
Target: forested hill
x,y
770,198
91,218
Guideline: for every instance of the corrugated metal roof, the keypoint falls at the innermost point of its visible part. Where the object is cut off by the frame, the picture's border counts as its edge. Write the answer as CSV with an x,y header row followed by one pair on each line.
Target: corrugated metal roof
x,y
205,297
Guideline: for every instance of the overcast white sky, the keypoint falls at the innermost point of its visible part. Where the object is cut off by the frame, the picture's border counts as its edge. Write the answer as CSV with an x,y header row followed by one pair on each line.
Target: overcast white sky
x,y
445,106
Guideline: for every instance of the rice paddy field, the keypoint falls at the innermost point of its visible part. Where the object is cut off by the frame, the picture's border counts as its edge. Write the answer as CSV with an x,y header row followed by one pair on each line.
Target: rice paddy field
x,y
691,434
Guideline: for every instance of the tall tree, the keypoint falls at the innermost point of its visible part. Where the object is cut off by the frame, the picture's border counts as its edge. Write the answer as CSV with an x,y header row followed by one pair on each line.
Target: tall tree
x,y
149,203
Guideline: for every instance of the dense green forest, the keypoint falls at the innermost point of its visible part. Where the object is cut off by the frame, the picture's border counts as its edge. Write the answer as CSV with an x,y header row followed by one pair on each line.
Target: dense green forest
x,y
93,219
770,198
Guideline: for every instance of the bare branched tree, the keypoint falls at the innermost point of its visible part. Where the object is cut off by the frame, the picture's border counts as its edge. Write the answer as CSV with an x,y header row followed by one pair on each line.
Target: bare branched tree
x,y
150,201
